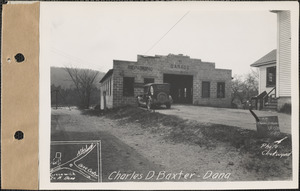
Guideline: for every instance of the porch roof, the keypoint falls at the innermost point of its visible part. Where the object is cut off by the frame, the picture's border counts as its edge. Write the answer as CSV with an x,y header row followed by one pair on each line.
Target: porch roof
x,y
269,58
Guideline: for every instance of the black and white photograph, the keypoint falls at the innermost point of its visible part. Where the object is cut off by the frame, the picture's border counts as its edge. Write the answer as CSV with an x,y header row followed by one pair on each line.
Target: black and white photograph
x,y
168,93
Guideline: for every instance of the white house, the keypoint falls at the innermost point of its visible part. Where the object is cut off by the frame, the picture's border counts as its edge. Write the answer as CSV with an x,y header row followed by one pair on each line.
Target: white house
x,y
275,67
267,72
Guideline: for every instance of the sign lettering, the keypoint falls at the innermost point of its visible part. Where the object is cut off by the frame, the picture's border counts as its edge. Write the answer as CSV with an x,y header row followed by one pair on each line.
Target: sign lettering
x,y
180,66
142,68
268,126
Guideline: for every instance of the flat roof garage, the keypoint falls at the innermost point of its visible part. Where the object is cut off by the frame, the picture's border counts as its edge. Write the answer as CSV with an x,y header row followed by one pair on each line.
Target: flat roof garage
x,y
192,81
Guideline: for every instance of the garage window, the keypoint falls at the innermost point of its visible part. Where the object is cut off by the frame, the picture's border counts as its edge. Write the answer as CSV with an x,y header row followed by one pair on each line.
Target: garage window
x,y
128,86
148,80
205,89
220,89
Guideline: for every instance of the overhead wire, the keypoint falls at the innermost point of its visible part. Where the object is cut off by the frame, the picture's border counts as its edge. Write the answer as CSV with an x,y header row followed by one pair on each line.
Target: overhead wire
x,y
166,33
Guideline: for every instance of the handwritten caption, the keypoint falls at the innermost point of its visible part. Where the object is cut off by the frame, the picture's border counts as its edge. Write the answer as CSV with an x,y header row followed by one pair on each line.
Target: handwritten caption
x,y
272,149
75,161
165,176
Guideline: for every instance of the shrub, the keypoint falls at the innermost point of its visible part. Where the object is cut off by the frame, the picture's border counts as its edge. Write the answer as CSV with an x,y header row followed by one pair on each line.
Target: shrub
x,y
286,108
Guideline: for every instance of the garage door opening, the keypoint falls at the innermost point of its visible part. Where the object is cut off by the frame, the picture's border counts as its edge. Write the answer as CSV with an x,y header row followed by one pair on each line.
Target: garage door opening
x,y
181,88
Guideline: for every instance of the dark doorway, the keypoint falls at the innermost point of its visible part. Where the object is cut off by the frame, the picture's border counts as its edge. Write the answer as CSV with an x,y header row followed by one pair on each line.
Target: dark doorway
x,y
181,87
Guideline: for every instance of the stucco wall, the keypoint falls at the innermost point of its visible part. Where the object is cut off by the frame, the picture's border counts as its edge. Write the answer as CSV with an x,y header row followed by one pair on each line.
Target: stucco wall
x,y
107,86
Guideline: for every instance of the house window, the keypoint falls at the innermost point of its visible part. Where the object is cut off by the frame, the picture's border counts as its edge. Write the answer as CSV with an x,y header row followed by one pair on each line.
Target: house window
x,y
220,89
205,89
128,83
271,76
148,80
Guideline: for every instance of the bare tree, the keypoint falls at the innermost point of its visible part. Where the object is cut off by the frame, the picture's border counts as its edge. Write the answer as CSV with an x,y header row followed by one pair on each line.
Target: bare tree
x,y
251,84
243,88
83,80
237,89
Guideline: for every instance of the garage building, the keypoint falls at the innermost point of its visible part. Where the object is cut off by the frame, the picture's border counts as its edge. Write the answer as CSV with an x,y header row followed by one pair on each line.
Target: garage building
x,y
192,81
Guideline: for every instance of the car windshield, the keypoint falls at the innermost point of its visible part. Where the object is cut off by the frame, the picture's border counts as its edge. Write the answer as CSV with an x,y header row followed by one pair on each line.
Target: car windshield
x,y
146,89
162,86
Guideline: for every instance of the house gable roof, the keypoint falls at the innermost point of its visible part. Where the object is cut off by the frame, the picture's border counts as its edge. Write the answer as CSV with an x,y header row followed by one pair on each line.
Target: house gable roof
x,y
269,58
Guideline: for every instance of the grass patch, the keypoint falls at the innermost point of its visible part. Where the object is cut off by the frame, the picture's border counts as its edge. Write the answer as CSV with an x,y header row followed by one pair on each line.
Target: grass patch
x,y
185,130
209,136
92,112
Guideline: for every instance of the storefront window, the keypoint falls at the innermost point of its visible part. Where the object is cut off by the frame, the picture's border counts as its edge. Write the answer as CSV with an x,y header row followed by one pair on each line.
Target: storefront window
x,y
128,86
220,89
205,89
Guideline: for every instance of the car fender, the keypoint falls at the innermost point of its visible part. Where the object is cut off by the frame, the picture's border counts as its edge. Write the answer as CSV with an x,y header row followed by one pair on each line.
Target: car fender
x,y
140,100
171,99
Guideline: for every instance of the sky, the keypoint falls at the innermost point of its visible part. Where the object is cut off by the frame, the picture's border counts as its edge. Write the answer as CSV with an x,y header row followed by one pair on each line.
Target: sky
x,y
92,35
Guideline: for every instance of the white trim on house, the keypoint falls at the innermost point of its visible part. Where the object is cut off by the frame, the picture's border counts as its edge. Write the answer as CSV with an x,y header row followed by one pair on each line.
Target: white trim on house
x,y
284,54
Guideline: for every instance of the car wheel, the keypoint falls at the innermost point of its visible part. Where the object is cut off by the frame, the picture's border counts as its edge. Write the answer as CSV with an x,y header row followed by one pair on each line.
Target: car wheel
x,y
168,105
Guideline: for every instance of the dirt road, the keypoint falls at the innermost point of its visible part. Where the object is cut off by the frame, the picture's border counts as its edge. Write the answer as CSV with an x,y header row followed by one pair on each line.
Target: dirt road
x,y
130,148
225,116
116,156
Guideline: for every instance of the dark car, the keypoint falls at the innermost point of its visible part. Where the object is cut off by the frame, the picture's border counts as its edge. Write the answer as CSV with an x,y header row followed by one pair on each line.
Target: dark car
x,y
155,95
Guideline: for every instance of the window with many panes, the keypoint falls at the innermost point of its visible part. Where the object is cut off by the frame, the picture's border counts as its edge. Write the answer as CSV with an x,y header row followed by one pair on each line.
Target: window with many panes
x,y
220,89
205,89
271,76
128,86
